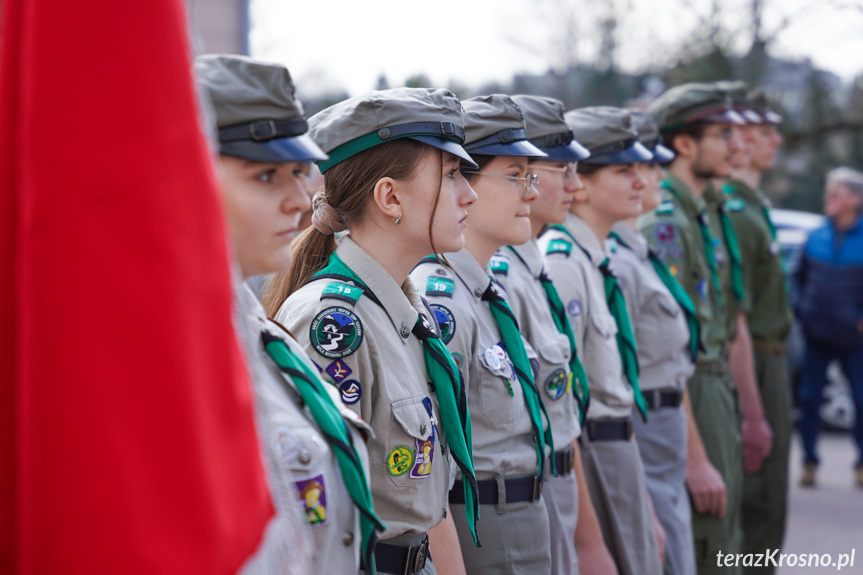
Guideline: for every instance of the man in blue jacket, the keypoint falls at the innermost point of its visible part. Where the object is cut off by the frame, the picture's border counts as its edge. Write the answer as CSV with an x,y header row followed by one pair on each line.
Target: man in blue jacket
x,y
828,290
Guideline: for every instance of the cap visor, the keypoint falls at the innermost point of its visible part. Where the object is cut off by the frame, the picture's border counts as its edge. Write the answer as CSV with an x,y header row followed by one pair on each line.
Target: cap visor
x,y
571,152
634,154
662,155
521,148
297,149
447,146
751,117
771,117
724,117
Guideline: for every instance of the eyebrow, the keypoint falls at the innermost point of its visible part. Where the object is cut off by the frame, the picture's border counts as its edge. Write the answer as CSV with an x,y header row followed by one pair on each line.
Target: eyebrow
x,y
515,165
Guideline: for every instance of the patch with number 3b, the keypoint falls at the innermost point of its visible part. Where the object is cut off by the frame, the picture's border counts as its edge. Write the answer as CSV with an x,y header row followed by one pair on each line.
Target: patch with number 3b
x,y
336,332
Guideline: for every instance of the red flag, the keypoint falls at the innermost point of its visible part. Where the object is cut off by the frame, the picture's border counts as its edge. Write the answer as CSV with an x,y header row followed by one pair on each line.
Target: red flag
x,y
132,434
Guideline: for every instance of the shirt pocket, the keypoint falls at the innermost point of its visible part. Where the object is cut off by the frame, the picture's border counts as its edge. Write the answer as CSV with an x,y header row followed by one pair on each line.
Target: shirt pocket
x,y
604,325
413,443
554,378
499,408
300,456
669,305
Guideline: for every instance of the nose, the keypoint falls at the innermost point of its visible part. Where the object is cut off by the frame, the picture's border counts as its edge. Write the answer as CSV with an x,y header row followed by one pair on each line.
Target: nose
x,y
639,183
532,194
573,183
735,143
776,137
296,198
466,195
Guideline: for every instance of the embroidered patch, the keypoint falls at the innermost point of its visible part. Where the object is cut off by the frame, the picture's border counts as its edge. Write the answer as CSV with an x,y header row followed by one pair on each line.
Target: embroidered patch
x,y
555,385
734,205
400,460
313,498
441,287
701,288
573,308
674,252
558,247
674,270
445,320
458,359
425,447
664,208
342,291
336,332
499,265
338,370
665,233
351,391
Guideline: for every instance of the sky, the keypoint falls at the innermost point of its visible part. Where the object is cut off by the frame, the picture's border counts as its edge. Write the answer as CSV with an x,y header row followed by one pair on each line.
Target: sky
x,y
332,44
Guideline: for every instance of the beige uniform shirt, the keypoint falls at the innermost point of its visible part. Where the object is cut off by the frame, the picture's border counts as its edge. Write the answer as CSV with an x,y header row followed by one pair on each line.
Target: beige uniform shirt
x,y
368,351
502,431
658,322
518,269
581,287
305,481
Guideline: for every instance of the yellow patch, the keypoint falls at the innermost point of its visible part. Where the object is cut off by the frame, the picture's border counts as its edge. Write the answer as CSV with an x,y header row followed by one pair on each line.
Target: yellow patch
x,y
400,460
674,270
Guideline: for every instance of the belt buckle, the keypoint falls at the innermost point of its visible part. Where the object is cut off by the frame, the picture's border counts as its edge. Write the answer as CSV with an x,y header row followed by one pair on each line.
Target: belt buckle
x,y
536,491
628,429
569,460
422,554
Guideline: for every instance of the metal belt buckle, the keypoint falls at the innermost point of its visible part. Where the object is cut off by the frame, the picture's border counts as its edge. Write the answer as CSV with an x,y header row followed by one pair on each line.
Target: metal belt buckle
x,y
422,554
569,460
628,429
536,491
263,130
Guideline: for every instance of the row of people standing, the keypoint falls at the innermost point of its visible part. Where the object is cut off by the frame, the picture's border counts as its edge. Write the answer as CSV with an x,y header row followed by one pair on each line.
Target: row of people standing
x,y
464,364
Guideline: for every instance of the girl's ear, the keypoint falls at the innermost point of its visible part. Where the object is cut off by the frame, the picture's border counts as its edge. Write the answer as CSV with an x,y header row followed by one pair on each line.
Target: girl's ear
x,y
386,197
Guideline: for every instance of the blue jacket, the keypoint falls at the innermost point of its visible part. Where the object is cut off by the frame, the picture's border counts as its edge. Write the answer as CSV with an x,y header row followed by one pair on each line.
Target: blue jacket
x,y
828,286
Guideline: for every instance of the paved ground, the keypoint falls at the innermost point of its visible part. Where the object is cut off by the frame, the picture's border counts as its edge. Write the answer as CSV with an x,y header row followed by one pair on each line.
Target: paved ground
x,y
829,518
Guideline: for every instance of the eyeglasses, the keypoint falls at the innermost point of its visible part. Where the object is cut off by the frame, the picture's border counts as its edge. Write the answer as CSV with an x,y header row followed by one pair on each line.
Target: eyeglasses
x,y
568,172
529,181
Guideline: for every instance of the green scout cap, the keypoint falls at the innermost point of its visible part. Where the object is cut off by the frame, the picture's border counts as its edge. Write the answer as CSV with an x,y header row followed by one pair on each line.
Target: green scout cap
x,y
736,93
547,129
692,102
494,126
648,135
758,102
257,113
609,135
430,116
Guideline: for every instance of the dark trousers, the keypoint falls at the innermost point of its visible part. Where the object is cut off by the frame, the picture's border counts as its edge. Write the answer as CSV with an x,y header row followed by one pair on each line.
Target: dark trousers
x,y
814,378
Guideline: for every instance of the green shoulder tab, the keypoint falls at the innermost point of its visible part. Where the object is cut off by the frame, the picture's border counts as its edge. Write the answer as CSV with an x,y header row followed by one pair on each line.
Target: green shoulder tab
x,y
439,287
734,205
342,291
558,247
664,208
499,265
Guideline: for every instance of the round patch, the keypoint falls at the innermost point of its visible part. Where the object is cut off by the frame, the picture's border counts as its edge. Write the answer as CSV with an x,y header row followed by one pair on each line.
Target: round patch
x,y
573,308
555,385
400,460
351,391
492,359
336,332
445,320
458,359
665,233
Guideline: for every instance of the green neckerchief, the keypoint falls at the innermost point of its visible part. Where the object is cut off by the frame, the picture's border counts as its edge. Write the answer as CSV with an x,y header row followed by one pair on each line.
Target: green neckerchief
x,y
514,345
625,338
707,240
335,430
581,390
679,294
450,392
733,252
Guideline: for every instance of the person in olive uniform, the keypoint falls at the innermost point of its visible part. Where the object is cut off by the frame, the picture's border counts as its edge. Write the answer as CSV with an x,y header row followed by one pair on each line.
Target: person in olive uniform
x,y
667,334
392,182
512,439
316,457
769,317
578,262
695,122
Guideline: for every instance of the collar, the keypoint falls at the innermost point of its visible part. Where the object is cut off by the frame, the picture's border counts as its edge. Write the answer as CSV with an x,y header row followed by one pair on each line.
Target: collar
x,y
632,238
401,303
585,237
690,204
530,256
712,196
471,274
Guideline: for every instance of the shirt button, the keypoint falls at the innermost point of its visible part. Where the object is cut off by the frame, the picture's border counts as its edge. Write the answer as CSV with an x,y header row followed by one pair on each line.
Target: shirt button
x,y
305,456
348,538
477,292
405,331
423,428
431,387
444,513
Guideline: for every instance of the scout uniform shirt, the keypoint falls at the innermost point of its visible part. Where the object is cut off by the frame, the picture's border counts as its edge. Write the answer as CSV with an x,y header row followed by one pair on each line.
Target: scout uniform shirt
x,y
518,269
658,321
714,202
369,353
574,268
503,442
674,233
769,314
304,474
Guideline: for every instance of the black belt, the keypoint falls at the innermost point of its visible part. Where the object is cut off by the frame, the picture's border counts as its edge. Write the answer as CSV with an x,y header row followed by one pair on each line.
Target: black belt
x,y
564,461
401,560
609,430
659,398
517,490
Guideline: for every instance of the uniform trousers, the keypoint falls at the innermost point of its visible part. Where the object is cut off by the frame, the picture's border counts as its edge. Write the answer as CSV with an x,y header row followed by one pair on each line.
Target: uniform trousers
x,y
662,444
561,500
714,405
615,479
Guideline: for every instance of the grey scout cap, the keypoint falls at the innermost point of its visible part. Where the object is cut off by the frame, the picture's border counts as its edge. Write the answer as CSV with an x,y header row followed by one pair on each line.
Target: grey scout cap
x,y
736,93
609,135
547,129
257,113
648,135
494,126
693,102
431,116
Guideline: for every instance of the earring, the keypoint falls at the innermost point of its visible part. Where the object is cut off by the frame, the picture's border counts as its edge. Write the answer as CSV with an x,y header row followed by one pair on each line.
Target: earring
x,y
398,220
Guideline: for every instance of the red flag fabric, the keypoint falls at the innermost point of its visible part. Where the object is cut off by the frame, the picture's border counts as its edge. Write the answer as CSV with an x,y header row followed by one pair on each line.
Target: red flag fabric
x,y
132,436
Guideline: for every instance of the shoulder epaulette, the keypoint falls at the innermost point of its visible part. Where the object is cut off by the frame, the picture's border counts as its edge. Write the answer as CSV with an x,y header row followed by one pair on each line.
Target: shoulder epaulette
x,y
499,265
664,208
558,247
342,291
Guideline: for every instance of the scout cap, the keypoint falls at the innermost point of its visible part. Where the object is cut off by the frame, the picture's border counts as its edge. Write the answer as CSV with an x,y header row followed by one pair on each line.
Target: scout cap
x,y
758,102
494,126
648,135
258,116
609,135
736,93
430,116
693,102
547,130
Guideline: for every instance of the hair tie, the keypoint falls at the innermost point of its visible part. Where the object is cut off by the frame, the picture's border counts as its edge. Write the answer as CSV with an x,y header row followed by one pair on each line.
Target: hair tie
x,y
325,218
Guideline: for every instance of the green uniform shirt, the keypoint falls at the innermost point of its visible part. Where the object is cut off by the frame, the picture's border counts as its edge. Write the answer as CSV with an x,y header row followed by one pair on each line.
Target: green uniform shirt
x,y
766,303
674,233
713,200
